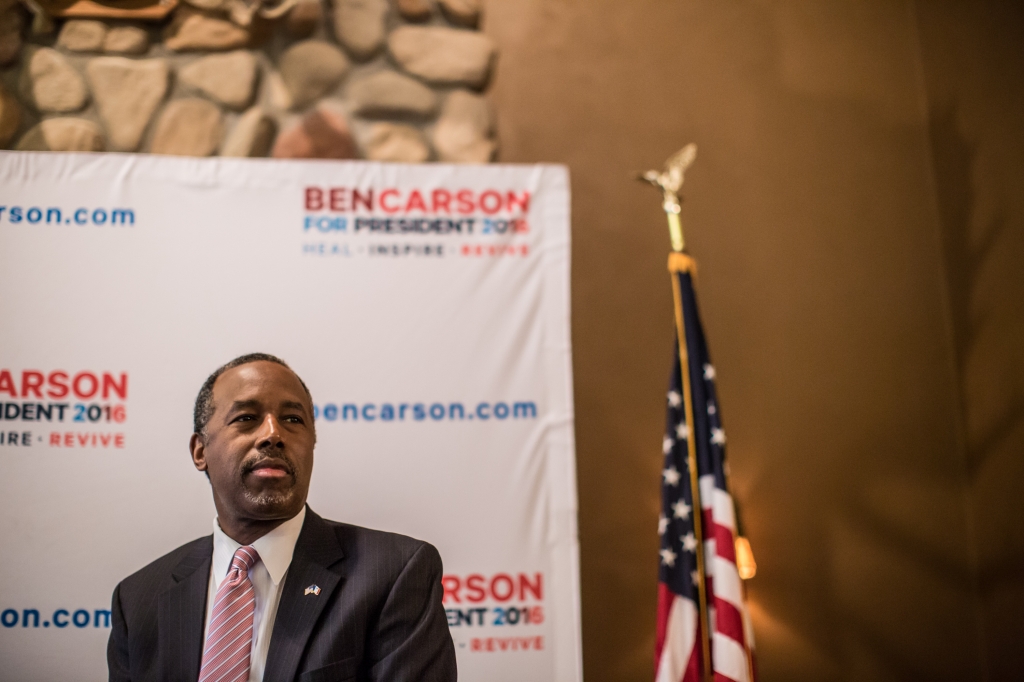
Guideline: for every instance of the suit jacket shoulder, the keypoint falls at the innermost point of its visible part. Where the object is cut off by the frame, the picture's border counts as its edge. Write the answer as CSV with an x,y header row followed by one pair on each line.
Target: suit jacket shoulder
x,y
381,549
157,616
156,576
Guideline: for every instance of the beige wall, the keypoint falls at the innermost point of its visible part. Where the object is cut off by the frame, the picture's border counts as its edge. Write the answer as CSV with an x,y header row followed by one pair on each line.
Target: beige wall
x,y
873,393
974,67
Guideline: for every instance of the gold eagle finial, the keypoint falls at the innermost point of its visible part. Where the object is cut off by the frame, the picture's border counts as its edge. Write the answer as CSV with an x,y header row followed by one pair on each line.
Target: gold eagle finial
x,y
670,180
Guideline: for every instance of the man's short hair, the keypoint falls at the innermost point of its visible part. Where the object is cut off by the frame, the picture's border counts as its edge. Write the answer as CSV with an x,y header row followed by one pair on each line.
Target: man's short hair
x,y
204,401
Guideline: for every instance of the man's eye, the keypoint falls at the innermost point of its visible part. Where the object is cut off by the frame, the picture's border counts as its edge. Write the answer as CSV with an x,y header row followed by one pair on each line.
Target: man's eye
x,y
293,418
244,418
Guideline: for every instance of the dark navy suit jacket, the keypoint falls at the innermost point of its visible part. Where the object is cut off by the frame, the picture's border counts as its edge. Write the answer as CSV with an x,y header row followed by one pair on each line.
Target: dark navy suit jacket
x,y
378,615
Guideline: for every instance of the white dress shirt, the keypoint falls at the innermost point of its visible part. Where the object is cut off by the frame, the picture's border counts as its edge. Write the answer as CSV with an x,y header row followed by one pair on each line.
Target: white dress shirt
x,y
275,550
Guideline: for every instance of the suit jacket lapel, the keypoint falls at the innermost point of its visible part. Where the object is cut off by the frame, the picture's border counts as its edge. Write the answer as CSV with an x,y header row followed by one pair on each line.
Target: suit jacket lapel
x,y
181,614
313,564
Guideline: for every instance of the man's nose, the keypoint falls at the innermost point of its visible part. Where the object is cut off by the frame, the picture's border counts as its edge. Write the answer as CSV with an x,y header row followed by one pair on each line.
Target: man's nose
x,y
269,433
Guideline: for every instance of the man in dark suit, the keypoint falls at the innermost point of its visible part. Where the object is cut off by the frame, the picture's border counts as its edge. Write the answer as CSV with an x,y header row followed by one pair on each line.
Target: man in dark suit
x,y
277,593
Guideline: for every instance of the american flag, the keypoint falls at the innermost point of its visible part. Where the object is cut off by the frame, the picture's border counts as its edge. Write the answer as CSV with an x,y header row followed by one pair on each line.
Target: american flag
x,y
679,651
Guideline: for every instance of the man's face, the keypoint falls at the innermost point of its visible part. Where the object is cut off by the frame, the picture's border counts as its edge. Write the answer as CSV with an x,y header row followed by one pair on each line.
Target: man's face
x,y
258,447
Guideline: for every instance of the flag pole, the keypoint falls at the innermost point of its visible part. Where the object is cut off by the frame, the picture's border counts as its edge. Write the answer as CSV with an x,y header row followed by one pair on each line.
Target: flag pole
x,y
679,262
670,181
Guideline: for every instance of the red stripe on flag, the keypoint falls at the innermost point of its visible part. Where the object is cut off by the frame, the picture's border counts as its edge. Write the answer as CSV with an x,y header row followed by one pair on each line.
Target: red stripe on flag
x,y
729,621
665,599
725,545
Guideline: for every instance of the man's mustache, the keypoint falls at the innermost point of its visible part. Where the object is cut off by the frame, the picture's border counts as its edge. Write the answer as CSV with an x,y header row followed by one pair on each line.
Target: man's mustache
x,y
263,458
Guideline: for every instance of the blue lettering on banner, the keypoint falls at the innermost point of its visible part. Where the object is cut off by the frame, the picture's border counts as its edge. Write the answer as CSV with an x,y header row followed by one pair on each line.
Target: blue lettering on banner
x,y
60,618
421,411
325,223
52,215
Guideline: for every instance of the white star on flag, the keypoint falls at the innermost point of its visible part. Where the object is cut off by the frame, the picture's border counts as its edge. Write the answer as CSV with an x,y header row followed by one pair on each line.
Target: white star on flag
x,y
695,577
689,543
666,445
671,476
709,372
682,431
662,525
711,408
681,510
668,557
718,436
674,399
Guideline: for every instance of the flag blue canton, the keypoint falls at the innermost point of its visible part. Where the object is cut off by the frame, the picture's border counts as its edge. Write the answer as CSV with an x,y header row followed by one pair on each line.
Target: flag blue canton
x,y
676,525
709,433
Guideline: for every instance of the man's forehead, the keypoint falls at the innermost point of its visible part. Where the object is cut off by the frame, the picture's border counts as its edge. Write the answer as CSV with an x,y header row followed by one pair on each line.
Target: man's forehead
x,y
263,379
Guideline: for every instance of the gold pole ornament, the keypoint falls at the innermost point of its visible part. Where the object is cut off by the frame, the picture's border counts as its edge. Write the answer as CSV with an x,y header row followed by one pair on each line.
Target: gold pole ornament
x,y
670,180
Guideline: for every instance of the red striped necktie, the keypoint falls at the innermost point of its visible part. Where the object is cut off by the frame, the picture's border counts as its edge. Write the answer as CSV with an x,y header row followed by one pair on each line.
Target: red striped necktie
x,y
229,641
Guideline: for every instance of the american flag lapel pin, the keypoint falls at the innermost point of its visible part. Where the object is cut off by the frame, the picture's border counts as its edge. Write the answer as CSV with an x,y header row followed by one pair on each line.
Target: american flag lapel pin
x,y
313,590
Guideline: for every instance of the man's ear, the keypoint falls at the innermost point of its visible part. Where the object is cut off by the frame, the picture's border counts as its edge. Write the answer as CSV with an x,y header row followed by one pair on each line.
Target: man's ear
x,y
198,449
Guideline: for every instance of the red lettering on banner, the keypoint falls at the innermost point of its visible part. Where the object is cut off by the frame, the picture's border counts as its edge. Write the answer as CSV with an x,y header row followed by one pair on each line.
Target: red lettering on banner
x,y
465,199
58,384
521,203
490,202
536,587
7,384
505,594
507,643
365,199
55,384
415,202
451,585
394,208
475,584
72,439
337,199
120,388
394,200
76,385
441,198
31,382
500,587
492,250
314,199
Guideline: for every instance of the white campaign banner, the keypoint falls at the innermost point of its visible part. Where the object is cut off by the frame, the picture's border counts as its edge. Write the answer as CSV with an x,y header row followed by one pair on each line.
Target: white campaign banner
x,y
427,308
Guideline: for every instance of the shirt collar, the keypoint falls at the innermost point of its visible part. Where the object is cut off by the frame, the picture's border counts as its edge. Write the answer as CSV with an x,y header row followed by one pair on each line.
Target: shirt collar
x,y
275,548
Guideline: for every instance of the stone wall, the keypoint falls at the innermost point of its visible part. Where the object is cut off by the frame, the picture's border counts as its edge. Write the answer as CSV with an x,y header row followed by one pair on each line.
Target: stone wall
x,y
397,80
